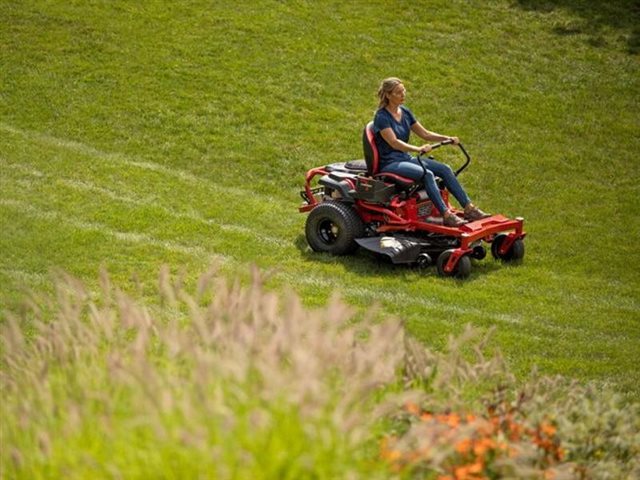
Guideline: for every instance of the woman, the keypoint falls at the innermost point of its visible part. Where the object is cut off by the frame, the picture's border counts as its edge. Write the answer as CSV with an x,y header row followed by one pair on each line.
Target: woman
x,y
393,123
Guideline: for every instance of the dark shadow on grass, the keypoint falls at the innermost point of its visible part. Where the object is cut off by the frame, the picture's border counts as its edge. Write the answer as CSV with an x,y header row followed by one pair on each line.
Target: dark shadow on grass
x,y
369,264
592,15
360,262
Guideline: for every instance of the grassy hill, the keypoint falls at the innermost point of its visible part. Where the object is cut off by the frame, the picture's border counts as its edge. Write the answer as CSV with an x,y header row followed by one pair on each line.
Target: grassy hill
x,y
134,135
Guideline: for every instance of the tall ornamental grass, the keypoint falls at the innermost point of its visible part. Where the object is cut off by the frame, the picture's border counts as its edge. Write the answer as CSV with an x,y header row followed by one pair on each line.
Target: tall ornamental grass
x,y
226,380
229,382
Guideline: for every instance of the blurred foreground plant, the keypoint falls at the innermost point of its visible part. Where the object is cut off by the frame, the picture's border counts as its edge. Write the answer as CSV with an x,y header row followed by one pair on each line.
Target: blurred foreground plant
x,y
233,381
475,421
227,382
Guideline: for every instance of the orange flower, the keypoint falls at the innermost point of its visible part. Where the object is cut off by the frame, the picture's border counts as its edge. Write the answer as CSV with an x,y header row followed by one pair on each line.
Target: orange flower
x,y
426,416
387,451
476,467
464,446
548,429
485,428
468,472
483,445
515,431
454,420
461,473
442,418
412,408
495,422
560,454
392,455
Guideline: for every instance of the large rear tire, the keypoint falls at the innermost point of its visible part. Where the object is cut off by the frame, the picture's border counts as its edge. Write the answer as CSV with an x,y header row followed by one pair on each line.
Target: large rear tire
x,y
332,227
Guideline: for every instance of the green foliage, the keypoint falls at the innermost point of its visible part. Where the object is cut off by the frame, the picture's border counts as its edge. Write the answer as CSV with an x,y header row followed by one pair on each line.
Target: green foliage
x,y
548,428
600,430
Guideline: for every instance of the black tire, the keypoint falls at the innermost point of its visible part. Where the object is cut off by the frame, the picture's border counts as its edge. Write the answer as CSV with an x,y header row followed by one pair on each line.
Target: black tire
x,y
462,269
479,252
514,254
423,262
332,227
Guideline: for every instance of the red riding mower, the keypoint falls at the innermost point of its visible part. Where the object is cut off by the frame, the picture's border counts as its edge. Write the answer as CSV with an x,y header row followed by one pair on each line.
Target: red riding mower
x,y
351,204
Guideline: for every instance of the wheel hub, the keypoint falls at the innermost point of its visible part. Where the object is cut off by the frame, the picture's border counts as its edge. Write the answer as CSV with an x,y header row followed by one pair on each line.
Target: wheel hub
x,y
328,231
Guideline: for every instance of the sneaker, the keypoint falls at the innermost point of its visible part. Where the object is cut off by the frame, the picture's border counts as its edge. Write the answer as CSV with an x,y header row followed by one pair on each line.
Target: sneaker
x,y
472,213
452,220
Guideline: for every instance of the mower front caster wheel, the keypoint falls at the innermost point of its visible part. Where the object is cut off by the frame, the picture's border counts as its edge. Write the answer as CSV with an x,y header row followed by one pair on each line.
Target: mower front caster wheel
x,y
461,270
515,252
479,252
423,262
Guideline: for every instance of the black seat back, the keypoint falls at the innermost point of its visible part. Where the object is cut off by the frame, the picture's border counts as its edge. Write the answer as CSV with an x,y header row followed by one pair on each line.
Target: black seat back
x,y
370,150
372,159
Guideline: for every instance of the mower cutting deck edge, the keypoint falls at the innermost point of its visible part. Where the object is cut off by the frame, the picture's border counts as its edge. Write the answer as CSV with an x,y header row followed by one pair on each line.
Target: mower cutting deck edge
x,y
352,205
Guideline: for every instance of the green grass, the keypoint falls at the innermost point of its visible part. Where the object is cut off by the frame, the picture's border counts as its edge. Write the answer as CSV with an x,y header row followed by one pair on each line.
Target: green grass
x,y
139,134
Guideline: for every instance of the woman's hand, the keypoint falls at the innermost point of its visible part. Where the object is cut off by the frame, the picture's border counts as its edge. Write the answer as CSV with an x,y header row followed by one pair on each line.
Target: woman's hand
x,y
426,148
455,140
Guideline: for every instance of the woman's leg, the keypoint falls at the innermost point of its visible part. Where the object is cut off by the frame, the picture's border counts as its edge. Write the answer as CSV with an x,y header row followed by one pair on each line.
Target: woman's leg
x,y
413,170
450,180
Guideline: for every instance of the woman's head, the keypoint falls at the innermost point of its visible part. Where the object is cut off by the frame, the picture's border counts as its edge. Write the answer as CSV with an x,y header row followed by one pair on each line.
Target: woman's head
x,y
389,86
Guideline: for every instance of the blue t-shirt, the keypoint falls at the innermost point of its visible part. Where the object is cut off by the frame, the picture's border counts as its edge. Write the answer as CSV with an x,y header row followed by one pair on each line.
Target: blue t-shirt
x,y
383,119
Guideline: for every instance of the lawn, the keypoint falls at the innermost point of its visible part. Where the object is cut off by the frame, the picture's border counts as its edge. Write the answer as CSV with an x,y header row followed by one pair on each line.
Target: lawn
x,y
136,135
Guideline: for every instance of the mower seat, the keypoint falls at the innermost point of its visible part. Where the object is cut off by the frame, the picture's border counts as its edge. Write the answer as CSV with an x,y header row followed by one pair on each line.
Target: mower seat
x,y
356,167
373,160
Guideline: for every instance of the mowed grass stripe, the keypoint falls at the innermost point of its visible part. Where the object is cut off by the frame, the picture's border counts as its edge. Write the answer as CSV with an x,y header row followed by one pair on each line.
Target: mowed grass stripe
x,y
233,197
90,151
128,237
26,278
91,188
191,198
